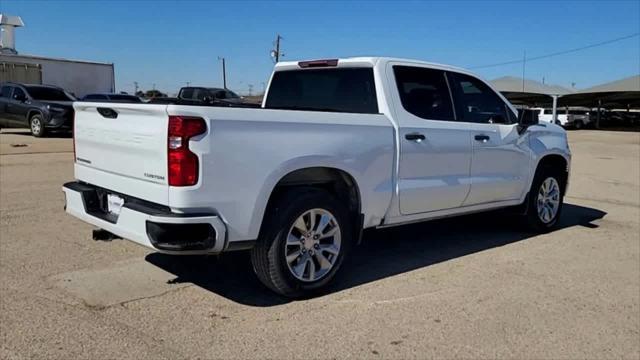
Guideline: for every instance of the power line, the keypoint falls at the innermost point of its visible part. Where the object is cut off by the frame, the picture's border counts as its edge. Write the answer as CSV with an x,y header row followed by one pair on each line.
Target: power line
x,y
558,52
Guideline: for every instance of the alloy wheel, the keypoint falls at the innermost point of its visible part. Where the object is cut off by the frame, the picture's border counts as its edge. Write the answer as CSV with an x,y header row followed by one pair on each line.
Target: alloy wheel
x,y
313,245
548,201
36,125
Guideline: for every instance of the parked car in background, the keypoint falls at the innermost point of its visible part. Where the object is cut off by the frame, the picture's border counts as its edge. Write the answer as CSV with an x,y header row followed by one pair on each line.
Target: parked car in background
x,y
576,118
163,100
41,108
201,95
118,98
338,146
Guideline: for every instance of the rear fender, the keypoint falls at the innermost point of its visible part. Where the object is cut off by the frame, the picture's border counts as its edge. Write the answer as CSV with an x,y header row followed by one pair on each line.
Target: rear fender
x,y
288,167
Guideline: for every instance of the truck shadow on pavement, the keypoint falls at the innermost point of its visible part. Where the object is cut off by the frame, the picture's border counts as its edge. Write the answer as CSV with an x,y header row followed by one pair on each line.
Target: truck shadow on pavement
x,y
383,253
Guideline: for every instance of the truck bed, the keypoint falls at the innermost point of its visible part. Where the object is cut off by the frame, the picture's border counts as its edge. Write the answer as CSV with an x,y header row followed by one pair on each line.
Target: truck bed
x,y
243,154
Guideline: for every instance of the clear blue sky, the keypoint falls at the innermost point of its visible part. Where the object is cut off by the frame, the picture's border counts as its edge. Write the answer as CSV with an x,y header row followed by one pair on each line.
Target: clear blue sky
x,y
170,43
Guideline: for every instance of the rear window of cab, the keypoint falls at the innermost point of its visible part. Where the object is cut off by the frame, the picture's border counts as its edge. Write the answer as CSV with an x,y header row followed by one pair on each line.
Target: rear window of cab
x,y
349,90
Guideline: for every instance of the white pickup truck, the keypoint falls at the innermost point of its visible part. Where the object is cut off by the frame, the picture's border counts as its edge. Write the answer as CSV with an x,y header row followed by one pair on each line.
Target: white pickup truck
x,y
337,146
576,118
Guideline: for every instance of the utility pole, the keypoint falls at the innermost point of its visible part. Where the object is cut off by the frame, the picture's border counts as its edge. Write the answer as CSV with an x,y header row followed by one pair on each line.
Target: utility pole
x,y
275,54
135,86
188,83
250,89
224,72
524,63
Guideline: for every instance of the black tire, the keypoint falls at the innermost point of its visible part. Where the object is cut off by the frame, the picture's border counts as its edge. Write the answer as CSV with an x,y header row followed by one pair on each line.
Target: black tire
x,y
269,255
532,217
37,130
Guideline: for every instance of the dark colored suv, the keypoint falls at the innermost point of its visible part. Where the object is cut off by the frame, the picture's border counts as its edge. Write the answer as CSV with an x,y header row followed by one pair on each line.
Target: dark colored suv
x,y
41,108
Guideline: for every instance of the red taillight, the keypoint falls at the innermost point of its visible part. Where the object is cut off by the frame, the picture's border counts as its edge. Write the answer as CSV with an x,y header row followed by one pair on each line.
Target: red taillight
x,y
182,164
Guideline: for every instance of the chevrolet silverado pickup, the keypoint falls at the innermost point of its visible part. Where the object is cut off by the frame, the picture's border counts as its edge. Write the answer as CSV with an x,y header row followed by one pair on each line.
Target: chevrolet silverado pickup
x,y
337,146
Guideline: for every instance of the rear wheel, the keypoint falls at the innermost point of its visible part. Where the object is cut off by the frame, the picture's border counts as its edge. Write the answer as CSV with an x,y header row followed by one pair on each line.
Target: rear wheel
x,y
545,200
36,125
303,243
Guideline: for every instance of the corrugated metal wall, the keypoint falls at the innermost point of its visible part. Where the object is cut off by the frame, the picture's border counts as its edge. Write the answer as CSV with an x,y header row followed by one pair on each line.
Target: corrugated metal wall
x,y
77,77
20,72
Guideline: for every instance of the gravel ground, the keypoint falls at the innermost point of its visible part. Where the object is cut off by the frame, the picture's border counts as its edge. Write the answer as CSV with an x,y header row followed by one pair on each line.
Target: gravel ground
x,y
471,287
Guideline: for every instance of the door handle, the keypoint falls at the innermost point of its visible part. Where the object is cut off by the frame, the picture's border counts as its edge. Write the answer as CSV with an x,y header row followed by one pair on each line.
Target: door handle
x,y
482,138
417,137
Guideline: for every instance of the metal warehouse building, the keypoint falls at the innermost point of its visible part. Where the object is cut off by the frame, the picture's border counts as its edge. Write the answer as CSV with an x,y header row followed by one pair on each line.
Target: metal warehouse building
x,y
77,77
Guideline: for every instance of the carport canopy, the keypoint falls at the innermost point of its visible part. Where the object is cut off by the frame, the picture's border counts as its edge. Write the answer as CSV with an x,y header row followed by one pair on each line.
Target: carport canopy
x,y
619,94
528,92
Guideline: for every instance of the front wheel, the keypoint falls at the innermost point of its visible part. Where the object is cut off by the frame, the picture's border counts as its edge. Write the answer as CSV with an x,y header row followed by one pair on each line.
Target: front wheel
x,y
36,125
545,200
303,243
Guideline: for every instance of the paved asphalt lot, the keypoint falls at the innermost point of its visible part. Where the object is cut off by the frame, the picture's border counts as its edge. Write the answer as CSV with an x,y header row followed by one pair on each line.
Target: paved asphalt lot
x,y
473,287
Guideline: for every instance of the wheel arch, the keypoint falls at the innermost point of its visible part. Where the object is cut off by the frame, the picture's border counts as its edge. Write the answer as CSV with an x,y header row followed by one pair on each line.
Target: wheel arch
x,y
556,161
33,112
339,182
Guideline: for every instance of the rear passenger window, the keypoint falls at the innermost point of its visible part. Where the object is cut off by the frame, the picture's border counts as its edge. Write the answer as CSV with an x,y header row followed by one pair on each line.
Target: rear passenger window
x,y
187,94
350,90
477,102
200,94
424,92
5,92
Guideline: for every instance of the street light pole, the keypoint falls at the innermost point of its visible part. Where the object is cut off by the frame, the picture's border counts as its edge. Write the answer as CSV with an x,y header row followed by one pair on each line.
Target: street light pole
x,y
524,64
224,73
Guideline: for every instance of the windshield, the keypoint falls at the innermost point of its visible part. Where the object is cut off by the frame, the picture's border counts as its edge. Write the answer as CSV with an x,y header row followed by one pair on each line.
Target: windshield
x,y
48,93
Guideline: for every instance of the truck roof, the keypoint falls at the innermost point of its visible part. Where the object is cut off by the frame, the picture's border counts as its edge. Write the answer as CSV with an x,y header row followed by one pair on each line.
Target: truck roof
x,y
368,61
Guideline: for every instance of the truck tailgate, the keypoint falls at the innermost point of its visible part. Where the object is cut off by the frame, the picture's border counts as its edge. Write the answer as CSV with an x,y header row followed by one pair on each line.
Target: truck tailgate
x,y
123,148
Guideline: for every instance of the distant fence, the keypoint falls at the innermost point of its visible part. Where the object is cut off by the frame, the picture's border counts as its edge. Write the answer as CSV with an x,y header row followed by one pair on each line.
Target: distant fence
x,y
20,72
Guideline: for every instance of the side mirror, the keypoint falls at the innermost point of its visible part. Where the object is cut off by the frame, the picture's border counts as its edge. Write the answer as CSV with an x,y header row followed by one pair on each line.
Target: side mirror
x,y
527,118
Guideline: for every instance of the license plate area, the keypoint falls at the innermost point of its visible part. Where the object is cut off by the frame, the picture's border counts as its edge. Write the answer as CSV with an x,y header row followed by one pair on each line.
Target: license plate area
x,y
98,203
104,204
114,204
